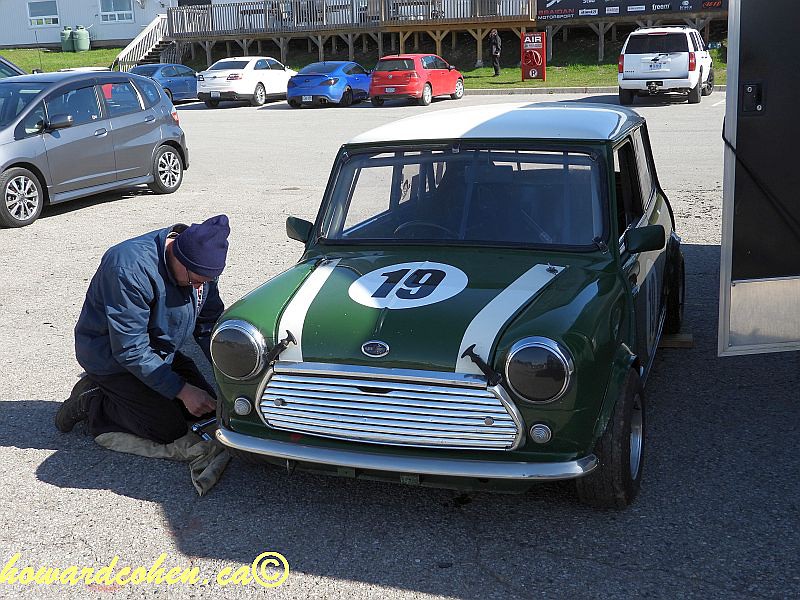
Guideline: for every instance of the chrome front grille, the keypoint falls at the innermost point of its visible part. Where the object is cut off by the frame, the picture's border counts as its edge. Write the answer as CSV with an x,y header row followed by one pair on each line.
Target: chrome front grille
x,y
422,409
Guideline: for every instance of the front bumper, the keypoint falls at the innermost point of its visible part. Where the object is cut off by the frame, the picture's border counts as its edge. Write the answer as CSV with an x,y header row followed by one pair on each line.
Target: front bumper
x,y
370,461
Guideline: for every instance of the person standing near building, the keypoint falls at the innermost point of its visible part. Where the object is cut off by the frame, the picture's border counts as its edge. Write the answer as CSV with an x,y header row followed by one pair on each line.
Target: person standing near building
x,y
495,45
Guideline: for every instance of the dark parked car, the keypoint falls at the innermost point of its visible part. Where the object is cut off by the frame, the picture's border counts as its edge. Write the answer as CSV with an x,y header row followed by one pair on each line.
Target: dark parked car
x,y
69,135
9,69
178,81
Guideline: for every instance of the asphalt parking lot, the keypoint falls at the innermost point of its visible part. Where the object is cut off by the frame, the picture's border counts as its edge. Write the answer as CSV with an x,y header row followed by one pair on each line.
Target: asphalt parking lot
x,y
717,516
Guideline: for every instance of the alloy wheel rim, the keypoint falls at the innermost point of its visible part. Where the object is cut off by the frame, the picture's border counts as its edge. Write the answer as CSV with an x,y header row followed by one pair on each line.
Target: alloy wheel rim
x,y
459,89
427,93
637,436
260,94
22,198
169,169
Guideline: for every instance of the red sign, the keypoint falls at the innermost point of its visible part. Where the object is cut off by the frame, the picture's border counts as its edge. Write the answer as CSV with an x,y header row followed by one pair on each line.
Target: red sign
x,y
533,53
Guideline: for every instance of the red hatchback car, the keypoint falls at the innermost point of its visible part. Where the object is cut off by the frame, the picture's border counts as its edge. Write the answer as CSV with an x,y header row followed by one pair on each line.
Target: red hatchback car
x,y
420,76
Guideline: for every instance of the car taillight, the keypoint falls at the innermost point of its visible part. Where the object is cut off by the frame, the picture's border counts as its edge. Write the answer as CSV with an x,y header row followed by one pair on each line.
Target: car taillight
x,y
291,83
621,64
330,81
200,77
175,117
234,76
692,61
413,75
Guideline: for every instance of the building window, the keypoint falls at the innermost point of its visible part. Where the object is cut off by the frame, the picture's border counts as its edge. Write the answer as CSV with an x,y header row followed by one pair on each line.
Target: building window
x,y
42,13
115,11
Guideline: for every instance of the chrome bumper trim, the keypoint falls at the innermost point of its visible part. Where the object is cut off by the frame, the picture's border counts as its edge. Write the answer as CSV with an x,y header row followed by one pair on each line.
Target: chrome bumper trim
x,y
446,467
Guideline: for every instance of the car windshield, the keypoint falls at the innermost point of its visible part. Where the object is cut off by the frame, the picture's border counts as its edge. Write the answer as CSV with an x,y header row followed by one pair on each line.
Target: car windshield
x,y
495,197
319,67
227,65
14,97
146,70
395,64
653,43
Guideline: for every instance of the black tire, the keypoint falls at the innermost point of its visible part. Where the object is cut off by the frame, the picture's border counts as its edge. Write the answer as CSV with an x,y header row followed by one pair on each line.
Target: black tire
x,y
347,98
615,482
427,95
168,92
675,298
211,103
294,103
626,97
376,101
22,197
708,88
167,170
696,92
259,96
458,94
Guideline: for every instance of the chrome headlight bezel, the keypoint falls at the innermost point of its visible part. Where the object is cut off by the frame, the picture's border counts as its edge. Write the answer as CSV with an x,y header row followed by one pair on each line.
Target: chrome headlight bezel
x,y
256,339
557,350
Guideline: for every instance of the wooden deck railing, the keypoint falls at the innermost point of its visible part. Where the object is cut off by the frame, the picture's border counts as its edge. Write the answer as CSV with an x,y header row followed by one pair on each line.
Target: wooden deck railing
x,y
289,16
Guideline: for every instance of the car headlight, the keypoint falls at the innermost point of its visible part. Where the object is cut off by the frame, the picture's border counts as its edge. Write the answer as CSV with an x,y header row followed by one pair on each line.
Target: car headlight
x,y
238,349
539,369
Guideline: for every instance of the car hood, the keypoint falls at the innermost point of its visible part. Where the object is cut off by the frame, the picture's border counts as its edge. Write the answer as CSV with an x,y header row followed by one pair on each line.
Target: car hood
x,y
424,308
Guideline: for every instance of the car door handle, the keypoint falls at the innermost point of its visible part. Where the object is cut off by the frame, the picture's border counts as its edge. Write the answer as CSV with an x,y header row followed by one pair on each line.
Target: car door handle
x,y
101,132
149,118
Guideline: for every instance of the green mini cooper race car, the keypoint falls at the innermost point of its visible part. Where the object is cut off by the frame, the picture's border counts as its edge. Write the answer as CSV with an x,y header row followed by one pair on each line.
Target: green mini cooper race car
x,y
479,304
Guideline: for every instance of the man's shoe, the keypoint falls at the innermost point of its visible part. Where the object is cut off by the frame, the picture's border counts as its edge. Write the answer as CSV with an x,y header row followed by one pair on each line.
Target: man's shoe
x,y
76,408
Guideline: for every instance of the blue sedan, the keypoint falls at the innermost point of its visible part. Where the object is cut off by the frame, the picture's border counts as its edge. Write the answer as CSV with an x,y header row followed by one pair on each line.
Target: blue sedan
x,y
178,81
331,82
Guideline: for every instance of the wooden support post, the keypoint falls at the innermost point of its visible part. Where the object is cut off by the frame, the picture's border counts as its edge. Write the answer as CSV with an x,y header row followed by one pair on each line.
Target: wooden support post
x,y
551,31
707,31
393,42
283,45
453,39
192,50
437,37
333,44
208,47
600,29
614,32
403,37
310,47
478,34
228,47
320,40
564,34
416,41
258,47
380,45
364,43
350,38
244,44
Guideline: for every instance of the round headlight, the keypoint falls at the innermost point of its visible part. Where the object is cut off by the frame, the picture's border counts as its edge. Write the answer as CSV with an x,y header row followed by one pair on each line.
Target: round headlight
x,y
237,349
538,369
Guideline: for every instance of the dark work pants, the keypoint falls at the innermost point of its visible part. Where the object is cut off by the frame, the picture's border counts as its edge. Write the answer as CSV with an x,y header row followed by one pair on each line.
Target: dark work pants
x,y
128,405
496,63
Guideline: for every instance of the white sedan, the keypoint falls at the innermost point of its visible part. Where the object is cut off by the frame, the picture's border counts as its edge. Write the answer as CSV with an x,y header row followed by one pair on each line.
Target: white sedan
x,y
251,78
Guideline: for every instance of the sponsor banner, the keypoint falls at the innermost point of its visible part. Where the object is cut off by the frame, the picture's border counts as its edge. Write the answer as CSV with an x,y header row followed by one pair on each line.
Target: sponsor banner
x,y
554,10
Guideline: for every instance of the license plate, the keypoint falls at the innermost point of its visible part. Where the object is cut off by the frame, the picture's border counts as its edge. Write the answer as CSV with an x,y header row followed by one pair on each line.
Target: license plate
x,y
656,66
308,98
389,90
215,94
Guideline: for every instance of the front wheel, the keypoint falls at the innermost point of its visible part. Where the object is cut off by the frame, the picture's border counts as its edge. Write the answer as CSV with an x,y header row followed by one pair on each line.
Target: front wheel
x,y
167,170
625,97
376,101
459,91
259,96
708,88
347,98
427,95
23,197
211,103
615,482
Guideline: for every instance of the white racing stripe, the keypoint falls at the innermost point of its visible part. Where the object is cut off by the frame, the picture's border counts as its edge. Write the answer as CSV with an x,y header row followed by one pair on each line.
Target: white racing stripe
x,y
484,328
294,316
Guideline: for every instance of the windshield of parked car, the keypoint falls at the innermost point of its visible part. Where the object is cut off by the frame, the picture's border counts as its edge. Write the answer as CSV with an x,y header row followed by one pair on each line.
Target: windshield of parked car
x,y
395,64
228,65
7,71
319,67
653,43
480,196
146,70
14,97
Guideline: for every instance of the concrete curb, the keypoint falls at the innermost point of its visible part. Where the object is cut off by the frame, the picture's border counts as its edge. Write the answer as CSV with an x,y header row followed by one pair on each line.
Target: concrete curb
x,y
557,90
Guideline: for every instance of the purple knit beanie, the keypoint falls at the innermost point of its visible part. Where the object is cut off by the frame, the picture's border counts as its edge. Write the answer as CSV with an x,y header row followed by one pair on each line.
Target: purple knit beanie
x,y
202,247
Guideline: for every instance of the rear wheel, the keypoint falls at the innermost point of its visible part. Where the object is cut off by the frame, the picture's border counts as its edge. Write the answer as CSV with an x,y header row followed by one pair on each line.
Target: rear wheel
x,y
211,103
23,197
614,483
347,98
625,97
675,298
459,91
696,91
376,101
427,95
708,88
293,103
259,96
167,170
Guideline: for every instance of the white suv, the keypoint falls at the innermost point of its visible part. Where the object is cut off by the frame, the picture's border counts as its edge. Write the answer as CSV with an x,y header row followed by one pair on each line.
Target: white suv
x,y
657,60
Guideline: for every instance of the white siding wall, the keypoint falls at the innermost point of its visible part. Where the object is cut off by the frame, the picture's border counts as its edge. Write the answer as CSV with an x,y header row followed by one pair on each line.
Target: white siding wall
x,y
15,29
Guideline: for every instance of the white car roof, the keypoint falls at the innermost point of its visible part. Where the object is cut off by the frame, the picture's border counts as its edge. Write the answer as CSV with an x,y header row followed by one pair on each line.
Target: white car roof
x,y
675,29
545,120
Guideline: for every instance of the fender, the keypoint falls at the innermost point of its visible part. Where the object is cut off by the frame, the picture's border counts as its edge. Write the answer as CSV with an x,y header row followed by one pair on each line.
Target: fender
x,y
624,360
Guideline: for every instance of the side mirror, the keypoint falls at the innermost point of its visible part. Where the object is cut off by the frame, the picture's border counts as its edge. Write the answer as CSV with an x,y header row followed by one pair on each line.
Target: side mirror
x,y
298,229
645,239
451,68
60,121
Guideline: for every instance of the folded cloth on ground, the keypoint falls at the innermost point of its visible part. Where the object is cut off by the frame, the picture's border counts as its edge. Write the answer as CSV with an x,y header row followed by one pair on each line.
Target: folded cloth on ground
x,y
207,458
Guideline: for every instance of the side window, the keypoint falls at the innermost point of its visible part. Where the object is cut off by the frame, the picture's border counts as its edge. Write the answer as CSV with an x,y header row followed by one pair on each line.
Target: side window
x,y
121,99
81,104
629,196
357,70
184,72
643,164
275,65
440,64
150,92
427,62
169,72
261,65
32,124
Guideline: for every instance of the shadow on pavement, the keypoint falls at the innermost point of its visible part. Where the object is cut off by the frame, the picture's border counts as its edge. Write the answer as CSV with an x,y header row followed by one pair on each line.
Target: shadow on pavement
x,y
717,513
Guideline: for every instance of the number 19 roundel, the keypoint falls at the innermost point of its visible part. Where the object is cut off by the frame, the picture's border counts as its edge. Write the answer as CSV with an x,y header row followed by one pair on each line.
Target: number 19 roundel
x,y
408,285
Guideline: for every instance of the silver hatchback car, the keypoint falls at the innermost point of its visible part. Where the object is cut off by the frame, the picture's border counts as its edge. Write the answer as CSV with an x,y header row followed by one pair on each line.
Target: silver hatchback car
x,y
69,135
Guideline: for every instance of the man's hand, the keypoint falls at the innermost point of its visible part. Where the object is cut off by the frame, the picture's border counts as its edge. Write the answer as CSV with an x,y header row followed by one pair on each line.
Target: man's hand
x,y
197,401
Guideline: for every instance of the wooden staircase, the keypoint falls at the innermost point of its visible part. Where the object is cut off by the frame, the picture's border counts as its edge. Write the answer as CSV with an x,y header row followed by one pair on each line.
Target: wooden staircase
x,y
147,47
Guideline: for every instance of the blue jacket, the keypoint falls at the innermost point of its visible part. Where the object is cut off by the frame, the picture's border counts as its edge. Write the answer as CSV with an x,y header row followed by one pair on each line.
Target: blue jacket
x,y
136,317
